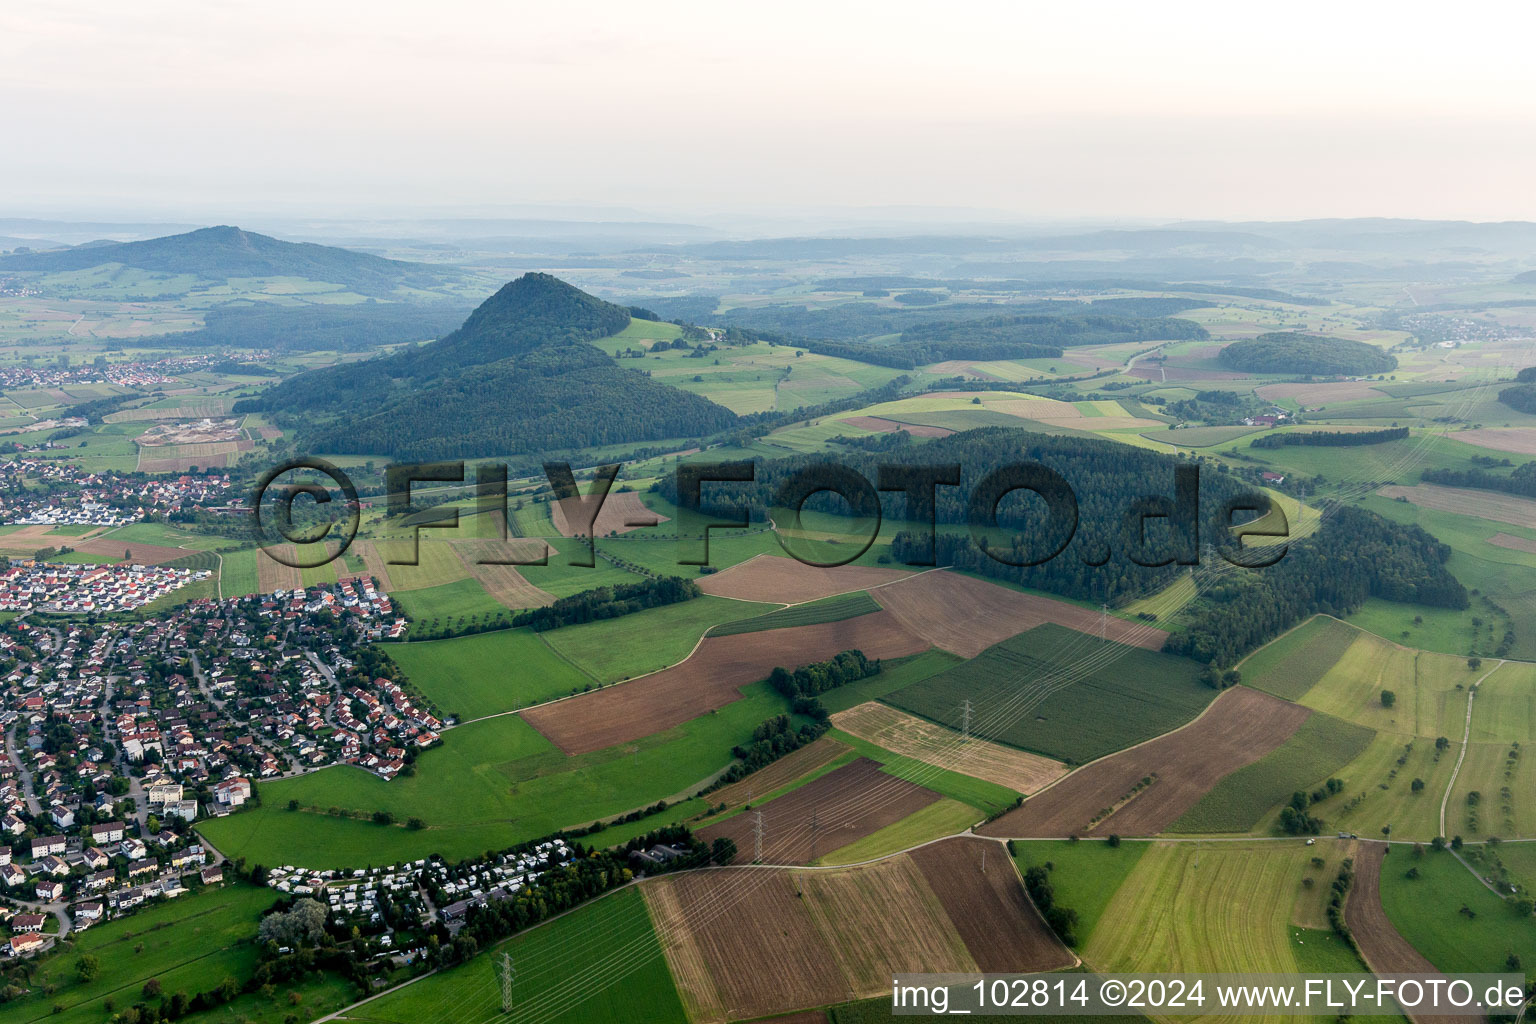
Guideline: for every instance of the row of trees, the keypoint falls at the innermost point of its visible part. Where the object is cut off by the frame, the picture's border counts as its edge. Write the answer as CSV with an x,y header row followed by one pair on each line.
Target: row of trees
x,y
1330,438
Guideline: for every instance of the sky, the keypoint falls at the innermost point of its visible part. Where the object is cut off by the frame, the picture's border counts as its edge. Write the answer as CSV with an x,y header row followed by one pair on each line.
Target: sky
x,y
681,110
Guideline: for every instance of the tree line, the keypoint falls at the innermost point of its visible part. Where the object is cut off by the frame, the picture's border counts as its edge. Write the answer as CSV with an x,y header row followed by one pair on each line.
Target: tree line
x,y
1522,481
608,603
1330,438
1308,354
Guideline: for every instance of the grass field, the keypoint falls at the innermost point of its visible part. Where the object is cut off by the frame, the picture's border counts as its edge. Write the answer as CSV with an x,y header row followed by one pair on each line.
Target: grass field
x,y
491,784
1314,753
1063,694
1379,792
473,676
632,645
1216,907
623,975
946,817
450,603
191,944
1292,665
831,609
1430,689
1427,912
894,675
1498,766
238,574
1084,875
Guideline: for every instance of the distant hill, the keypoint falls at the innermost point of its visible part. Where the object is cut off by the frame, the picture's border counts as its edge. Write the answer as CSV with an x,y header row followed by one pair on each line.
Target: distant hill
x,y
1291,352
220,253
520,376
1529,277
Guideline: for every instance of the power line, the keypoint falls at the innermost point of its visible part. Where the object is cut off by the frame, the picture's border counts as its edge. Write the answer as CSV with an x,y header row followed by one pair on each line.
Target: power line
x,y
965,730
757,839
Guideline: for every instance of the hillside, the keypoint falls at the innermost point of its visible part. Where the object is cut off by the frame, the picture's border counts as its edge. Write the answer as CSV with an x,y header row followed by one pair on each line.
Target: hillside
x,y
520,375
224,252
1290,352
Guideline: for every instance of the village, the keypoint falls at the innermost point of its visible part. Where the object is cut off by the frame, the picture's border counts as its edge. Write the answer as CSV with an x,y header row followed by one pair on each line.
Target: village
x,y
119,734
52,492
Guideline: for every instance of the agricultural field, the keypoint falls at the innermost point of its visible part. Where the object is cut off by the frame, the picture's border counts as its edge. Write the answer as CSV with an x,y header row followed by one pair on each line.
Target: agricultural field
x,y
1084,875
190,944
1430,690
1143,790
488,673
826,814
646,641
489,785
1311,755
626,981
934,744
711,677
825,936
829,609
1062,694
1292,664
1426,912
1218,907
787,581
967,615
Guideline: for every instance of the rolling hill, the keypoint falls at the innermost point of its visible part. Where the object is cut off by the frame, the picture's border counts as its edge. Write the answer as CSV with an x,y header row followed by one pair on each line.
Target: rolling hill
x,y
520,375
220,253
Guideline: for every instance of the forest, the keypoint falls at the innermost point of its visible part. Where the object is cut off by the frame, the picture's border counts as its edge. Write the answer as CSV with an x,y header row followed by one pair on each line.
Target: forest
x,y
1521,397
1305,354
1353,555
1522,481
1330,438
518,376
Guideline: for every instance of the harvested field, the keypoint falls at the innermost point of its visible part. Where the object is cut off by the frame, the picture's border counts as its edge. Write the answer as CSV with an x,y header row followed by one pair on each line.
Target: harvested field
x,y
184,463
966,615
1501,508
1504,540
933,744
187,411
269,433
959,367
1319,392
778,580
1520,440
848,805
710,678
504,582
619,509
989,909
141,554
207,431
819,936
272,575
881,425
1239,727
374,560
1383,948
30,538
781,772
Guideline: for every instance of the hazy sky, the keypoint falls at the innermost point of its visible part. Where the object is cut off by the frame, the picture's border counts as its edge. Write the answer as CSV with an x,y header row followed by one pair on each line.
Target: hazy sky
x,y
1047,110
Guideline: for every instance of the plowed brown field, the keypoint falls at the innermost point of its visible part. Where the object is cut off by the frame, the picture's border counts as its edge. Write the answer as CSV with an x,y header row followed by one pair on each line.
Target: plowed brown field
x,y
988,906
966,615
710,678
885,426
787,581
618,511
1383,947
1239,727
846,805
781,772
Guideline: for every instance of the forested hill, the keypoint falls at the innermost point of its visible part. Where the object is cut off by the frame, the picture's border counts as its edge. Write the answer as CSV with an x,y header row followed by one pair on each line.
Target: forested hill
x,y
1290,352
224,252
358,327
519,376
